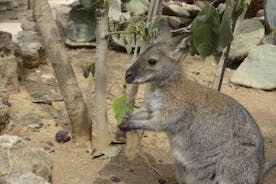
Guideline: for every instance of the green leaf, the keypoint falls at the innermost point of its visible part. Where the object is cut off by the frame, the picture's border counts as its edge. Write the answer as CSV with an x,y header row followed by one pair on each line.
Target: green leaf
x,y
239,7
225,28
193,50
121,108
205,31
89,69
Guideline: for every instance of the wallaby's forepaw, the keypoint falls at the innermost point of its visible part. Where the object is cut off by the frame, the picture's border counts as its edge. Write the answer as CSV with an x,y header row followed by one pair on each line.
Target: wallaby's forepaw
x,y
125,126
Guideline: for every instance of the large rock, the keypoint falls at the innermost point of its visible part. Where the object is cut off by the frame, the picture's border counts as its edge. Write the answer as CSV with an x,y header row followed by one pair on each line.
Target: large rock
x,y
33,52
19,163
258,69
247,36
270,13
11,27
81,24
9,52
7,5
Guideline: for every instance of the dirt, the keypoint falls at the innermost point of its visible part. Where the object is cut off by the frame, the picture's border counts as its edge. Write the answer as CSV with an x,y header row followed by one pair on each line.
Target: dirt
x,y
153,164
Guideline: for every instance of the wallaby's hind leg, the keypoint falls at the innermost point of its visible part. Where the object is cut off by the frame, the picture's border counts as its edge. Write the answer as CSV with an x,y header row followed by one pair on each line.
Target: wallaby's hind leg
x,y
242,170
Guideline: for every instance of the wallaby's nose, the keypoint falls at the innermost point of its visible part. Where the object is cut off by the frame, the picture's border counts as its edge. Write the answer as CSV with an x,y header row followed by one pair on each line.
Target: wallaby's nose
x,y
129,76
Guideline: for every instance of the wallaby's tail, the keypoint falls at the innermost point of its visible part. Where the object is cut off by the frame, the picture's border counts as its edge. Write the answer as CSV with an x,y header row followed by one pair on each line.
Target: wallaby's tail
x,y
269,165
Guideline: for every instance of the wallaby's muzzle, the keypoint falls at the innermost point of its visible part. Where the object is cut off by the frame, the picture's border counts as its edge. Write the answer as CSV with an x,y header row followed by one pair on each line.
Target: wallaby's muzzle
x,y
131,73
129,76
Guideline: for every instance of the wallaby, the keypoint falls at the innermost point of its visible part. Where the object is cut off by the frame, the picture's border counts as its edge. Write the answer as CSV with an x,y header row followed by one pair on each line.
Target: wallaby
x,y
214,139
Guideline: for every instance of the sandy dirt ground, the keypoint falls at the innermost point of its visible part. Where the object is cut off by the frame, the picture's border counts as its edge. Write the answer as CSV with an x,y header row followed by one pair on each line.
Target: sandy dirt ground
x,y
73,163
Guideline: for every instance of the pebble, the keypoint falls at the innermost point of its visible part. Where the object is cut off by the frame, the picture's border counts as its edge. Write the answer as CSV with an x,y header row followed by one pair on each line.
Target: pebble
x,y
115,179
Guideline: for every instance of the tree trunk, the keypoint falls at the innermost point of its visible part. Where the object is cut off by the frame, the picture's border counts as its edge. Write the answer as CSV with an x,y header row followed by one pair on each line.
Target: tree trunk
x,y
101,138
74,101
218,78
30,4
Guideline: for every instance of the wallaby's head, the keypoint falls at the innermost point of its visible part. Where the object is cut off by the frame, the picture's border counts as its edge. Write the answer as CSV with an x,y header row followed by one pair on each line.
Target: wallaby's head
x,y
159,60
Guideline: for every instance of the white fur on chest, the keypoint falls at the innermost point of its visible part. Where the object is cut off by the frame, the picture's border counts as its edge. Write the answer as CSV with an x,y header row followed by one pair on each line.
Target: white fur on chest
x,y
155,102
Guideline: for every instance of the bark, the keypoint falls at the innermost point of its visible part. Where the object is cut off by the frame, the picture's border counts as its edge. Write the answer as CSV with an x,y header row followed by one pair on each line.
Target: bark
x,y
74,101
101,138
218,78
30,4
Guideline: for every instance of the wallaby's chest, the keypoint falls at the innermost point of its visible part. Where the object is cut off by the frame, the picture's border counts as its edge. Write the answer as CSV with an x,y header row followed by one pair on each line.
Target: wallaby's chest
x,y
155,103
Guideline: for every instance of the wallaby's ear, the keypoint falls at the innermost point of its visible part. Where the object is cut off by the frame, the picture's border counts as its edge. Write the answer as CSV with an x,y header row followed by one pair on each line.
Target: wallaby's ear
x,y
177,47
164,31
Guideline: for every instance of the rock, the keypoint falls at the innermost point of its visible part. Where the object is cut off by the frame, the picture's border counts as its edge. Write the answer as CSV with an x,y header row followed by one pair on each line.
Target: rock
x,y
181,9
55,3
115,11
30,178
81,25
34,127
33,52
87,3
137,7
9,52
115,179
7,5
269,39
75,45
270,13
28,25
12,28
177,22
41,97
246,37
19,162
258,69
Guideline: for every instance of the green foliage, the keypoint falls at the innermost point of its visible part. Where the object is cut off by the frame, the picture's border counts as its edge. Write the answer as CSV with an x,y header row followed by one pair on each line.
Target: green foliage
x,y
137,32
205,31
88,69
239,7
211,33
121,108
225,28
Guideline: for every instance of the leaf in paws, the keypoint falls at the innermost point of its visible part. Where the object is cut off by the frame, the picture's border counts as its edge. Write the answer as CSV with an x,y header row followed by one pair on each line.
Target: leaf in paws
x,y
121,108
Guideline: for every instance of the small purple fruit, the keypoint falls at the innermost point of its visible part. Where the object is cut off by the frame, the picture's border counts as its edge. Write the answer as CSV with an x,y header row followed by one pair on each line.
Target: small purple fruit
x,y
63,136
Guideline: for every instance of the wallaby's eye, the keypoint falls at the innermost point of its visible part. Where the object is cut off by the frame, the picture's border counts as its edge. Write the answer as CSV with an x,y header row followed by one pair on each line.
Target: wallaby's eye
x,y
152,61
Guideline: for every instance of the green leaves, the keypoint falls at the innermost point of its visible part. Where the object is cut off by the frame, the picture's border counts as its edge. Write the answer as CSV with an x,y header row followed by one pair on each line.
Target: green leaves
x,y
239,6
89,69
225,28
205,32
209,33
121,108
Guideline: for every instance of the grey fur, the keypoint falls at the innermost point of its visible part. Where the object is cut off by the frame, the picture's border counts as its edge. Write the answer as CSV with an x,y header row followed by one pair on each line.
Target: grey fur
x,y
214,139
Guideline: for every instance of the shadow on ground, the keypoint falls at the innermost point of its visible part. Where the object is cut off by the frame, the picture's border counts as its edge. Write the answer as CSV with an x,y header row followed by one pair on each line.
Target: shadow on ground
x,y
141,170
